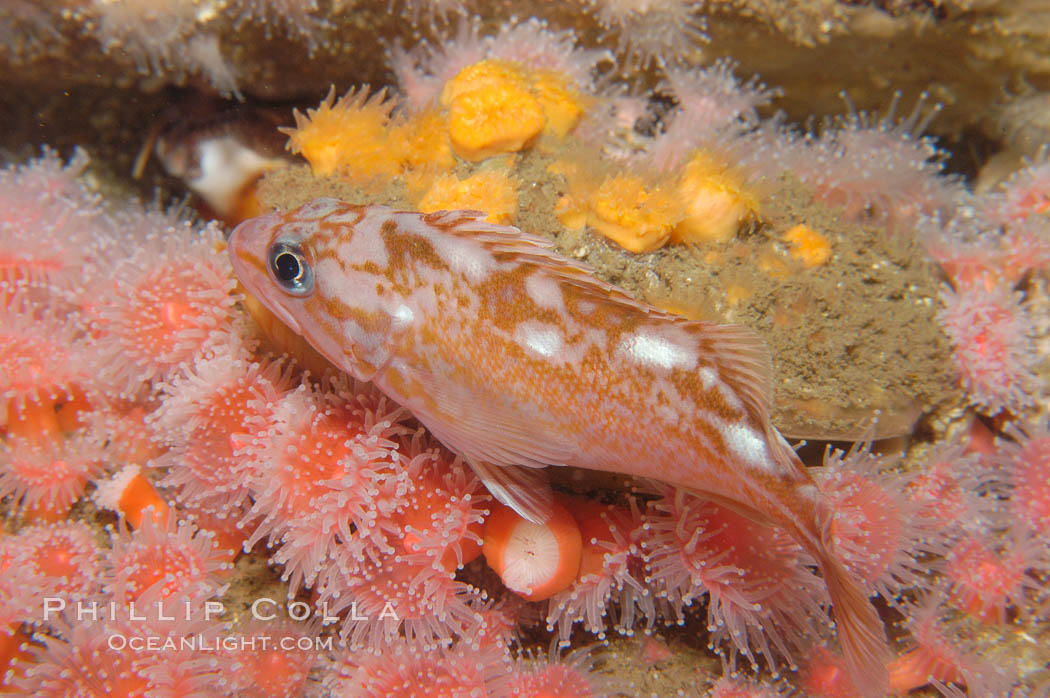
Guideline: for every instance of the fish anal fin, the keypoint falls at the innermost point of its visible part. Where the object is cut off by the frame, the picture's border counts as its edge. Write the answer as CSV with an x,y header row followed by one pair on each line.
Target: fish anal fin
x,y
525,490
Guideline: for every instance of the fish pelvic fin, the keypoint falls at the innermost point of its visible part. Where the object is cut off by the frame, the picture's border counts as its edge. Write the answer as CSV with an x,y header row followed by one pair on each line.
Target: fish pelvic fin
x,y
525,490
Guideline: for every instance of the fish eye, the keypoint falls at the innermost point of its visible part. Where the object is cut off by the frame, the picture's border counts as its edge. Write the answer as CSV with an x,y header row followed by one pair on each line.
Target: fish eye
x,y
290,269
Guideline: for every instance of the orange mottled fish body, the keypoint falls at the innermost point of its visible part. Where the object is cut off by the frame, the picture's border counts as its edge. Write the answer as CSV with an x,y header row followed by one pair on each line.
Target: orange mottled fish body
x,y
518,358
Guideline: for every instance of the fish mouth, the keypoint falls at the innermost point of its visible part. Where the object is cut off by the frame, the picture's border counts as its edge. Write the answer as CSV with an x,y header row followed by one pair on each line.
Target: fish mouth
x,y
251,271
286,317
249,277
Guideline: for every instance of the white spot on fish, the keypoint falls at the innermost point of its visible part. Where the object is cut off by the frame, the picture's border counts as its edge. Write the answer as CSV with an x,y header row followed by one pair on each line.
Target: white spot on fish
x,y
708,377
539,338
297,231
403,316
544,291
748,445
461,254
467,258
365,244
336,283
658,349
350,217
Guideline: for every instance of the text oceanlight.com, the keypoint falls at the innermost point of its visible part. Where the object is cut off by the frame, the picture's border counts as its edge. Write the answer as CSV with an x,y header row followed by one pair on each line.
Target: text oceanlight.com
x,y
229,643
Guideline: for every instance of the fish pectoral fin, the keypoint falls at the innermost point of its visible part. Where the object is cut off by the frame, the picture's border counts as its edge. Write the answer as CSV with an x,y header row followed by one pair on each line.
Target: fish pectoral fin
x,y
525,490
486,426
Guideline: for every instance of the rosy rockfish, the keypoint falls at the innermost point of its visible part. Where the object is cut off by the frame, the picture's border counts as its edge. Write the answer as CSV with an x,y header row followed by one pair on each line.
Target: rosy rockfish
x,y
517,358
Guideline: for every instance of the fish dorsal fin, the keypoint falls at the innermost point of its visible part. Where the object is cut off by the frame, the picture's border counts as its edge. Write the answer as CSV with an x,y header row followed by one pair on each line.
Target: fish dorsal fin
x,y
741,354
512,242
745,363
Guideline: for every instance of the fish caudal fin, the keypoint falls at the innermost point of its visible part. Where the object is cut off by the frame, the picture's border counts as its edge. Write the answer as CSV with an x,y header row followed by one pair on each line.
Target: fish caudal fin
x,y
860,630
